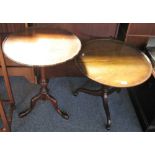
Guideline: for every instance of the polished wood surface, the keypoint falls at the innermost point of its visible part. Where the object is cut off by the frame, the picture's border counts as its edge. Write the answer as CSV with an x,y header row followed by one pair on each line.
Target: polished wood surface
x,y
84,31
41,46
112,63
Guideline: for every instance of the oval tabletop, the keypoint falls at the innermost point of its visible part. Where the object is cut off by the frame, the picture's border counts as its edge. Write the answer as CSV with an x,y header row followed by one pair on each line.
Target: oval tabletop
x,y
41,46
112,63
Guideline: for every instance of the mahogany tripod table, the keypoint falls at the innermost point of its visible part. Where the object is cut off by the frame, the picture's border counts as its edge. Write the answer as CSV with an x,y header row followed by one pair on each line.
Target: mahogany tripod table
x,y
42,46
114,65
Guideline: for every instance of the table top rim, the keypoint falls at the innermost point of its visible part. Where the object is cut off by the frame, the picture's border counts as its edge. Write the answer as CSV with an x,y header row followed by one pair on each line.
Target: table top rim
x,y
121,42
43,28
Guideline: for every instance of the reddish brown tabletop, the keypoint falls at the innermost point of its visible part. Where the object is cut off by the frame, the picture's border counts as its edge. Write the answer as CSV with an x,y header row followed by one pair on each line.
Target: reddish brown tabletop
x,y
113,63
41,46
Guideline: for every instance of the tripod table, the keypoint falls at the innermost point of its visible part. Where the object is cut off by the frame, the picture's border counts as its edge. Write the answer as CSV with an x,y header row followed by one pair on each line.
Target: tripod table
x,y
114,65
42,46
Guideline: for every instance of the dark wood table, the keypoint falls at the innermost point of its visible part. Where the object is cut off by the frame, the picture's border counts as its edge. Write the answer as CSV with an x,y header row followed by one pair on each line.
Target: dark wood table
x,y
42,46
112,64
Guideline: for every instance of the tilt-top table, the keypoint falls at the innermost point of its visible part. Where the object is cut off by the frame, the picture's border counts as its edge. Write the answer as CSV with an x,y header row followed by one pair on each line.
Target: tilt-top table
x,y
114,65
42,46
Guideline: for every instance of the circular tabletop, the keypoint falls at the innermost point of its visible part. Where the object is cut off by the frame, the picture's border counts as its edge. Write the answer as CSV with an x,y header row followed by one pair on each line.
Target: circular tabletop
x,y
112,63
41,46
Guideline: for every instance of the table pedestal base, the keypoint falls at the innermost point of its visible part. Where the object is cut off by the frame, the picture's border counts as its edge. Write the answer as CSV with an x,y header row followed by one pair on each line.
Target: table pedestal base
x,y
44,95
103,92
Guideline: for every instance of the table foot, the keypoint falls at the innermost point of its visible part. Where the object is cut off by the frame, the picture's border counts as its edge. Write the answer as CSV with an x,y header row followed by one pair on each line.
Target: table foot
x,y
63,114
32,105
106,108
108,125
25,112
103,92
75,93
44,96
53,101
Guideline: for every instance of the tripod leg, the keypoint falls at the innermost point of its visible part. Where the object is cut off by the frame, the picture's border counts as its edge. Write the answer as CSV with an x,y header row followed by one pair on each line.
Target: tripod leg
x,y
88,91
33,103
106,108
54,103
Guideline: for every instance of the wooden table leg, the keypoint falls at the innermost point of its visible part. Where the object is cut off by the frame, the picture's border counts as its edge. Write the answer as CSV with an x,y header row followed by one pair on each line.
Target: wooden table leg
x,y
44,95
106,107
103,92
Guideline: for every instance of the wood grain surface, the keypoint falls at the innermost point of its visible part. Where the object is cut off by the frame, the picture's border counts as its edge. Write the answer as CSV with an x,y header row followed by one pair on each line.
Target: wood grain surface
x,y
112,63
41,46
